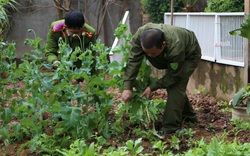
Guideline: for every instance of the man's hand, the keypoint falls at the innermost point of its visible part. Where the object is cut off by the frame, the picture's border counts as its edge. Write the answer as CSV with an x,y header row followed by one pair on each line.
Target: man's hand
x,y
74,81
126,95
146,93
56,63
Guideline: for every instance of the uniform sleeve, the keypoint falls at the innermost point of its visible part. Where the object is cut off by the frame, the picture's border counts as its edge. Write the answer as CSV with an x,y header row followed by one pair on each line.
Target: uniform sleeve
x,y
135,59
51,51
55,32
90,34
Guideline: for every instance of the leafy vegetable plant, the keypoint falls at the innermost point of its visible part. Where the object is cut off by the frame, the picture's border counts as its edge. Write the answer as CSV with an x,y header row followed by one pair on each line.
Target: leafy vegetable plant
x,y
242,98
244,30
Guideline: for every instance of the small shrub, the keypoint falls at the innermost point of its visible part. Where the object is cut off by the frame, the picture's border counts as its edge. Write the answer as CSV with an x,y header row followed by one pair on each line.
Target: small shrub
x,y
156,8
225,6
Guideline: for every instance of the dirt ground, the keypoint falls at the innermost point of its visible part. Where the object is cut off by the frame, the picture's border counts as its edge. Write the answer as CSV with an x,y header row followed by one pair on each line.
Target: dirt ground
x,y
212,121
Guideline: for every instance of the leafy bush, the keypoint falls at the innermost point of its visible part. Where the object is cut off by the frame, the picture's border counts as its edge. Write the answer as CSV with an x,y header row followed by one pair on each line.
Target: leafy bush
x,y
225,6
244,29
156,8
5,6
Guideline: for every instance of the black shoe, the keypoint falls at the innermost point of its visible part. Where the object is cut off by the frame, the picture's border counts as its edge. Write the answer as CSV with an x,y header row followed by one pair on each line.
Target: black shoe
x,y
162,133
165,132
190,119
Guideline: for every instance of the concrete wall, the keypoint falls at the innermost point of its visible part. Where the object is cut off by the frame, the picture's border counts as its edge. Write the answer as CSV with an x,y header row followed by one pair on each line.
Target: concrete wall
x,y
36,15
220,81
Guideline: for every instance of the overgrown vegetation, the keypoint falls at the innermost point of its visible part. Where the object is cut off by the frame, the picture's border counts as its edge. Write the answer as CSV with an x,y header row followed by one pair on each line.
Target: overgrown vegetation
x,y
51,116
5,7
156,8
225,6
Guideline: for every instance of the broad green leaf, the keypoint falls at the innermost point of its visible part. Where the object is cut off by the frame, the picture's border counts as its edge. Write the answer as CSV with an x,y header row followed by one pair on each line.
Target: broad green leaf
x,y
47,83
106,130
238,96
139,150
91,150
4,132
17,130
71,115
130,145
29,123
6,115
48,65
244,31
214,148
138,141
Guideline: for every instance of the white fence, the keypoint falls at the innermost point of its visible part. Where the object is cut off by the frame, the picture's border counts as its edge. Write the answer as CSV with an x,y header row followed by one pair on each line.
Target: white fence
x,y
118,57
212,31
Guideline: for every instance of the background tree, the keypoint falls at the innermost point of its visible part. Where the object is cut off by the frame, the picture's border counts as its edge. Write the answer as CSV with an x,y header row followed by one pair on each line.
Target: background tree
x,y
189,5
156,8
225,6
62,5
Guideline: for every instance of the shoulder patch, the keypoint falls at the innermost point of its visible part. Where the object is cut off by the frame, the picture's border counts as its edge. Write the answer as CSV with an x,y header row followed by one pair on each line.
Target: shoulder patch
x,y
87,33
88,30
174,65
58,27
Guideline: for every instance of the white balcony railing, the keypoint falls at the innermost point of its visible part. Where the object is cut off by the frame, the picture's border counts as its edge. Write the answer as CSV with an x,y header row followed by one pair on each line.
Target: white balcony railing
x,y
212,31
115,56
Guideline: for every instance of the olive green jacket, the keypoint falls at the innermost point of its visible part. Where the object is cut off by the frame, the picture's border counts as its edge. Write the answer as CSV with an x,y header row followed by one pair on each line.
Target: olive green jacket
x,y
181,46
57,30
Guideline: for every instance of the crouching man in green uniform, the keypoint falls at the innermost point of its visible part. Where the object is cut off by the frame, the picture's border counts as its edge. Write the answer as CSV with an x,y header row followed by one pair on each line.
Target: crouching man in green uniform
x,y
70,29
174,49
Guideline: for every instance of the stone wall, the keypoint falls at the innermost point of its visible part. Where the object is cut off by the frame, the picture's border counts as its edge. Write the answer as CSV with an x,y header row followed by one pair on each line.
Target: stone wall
x,y
219,80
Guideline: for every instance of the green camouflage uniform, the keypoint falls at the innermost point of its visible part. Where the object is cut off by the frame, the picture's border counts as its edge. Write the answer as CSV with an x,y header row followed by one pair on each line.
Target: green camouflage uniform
x,y
58,30
180,58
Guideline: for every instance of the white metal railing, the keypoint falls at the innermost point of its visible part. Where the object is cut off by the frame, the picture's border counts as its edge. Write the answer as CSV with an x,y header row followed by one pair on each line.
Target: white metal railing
x,y
118,57
212,31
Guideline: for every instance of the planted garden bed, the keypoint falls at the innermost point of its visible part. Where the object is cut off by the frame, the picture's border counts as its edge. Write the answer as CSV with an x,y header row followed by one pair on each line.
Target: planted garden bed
x,y
43,113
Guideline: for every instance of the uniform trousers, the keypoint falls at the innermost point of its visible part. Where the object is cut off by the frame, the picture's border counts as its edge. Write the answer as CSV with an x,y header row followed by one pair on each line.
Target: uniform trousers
x,y
178,106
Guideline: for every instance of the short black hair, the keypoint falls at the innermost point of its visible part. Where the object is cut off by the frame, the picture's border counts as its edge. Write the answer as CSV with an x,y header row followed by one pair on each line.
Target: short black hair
x,y
74,19
152,38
